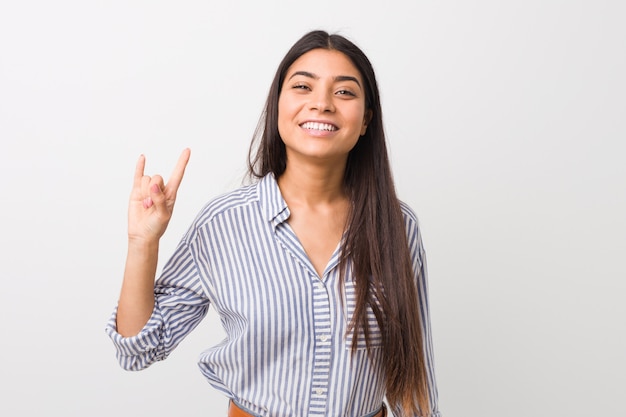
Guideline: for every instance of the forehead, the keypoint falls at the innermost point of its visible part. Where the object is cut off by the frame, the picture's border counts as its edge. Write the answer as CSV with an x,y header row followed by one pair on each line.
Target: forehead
x,y
324,63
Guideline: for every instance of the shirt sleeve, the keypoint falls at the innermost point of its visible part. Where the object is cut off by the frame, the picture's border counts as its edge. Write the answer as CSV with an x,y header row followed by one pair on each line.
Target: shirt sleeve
x,y
418,256
180,305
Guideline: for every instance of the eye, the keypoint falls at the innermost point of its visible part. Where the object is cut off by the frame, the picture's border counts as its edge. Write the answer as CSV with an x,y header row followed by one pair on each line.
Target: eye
x,y
300,87
346,93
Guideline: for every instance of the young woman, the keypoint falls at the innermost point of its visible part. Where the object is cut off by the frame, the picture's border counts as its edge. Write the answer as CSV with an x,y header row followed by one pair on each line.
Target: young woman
x,y
317,270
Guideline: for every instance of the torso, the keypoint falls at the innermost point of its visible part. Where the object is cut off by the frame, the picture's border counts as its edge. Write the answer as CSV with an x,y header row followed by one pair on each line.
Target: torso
x,y
319,230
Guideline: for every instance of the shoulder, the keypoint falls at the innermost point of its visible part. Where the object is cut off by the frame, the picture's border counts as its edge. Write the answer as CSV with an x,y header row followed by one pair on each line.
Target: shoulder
x,y
413,231
409,215
225,203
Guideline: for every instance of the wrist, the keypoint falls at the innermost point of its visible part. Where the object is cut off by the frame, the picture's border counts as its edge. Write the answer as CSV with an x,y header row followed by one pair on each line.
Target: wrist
x,y
136,244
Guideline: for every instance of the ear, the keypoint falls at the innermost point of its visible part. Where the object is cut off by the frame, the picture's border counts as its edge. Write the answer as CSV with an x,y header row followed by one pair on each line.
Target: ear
x,y
366,120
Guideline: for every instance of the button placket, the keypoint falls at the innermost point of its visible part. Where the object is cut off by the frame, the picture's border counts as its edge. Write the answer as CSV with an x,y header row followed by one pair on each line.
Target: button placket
x,y
322,351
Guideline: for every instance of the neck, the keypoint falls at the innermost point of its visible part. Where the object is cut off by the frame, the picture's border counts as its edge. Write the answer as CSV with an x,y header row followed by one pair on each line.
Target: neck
x,y
312,185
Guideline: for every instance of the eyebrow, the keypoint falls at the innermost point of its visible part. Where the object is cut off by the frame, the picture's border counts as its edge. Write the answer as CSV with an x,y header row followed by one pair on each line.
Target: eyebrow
x,y
337,78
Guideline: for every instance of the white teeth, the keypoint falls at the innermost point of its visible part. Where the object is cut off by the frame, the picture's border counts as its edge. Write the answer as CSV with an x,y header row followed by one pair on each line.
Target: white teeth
x,y
318,126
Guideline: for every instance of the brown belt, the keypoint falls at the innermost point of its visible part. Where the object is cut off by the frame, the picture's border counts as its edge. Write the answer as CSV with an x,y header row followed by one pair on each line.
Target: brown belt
x,y
235,411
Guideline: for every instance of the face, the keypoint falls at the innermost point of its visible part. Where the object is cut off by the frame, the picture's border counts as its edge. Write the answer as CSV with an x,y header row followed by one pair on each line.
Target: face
x,y
321,108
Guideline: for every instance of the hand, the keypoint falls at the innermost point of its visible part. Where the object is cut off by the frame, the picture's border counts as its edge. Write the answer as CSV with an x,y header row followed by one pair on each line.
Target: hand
x,y
152,202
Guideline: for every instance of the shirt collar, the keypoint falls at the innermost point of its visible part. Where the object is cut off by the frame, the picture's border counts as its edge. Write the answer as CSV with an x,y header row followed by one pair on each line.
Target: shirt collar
x,y
273,204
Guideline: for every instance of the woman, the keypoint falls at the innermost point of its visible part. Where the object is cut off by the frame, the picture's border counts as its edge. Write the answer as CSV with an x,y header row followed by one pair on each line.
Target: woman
x,y
316,270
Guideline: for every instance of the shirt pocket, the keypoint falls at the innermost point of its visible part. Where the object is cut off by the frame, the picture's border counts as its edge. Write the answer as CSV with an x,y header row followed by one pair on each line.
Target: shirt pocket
x,y
375,334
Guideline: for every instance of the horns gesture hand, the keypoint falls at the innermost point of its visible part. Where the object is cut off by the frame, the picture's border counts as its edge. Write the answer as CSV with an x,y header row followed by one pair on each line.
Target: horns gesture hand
x,y
152,201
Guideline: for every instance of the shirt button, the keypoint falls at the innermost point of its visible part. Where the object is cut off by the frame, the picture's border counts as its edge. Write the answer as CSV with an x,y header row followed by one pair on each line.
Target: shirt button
x,y
319,391
323,338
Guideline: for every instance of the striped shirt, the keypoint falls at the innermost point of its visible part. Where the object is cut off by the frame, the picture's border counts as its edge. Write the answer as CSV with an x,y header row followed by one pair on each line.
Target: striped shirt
x,y
287,351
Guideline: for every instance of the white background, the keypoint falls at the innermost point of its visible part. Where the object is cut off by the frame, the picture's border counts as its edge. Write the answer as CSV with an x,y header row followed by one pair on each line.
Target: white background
x,y
507,128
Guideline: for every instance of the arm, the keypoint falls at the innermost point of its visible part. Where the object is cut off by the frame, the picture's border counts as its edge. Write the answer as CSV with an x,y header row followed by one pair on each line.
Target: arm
x,y
426,330
418,256
150,209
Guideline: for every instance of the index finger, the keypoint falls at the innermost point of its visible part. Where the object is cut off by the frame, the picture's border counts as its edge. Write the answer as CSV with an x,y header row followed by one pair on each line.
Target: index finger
x,y
141,164
179,170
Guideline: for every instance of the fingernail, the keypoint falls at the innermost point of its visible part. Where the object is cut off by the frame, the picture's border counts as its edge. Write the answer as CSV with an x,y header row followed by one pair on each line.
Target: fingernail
x,y
155,188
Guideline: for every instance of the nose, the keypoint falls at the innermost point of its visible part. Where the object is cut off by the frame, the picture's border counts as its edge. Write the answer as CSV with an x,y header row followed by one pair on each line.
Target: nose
x,y
322,101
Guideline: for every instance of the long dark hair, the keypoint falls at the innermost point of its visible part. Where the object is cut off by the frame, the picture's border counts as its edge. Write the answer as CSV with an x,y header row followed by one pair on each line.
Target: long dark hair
x,y
375,237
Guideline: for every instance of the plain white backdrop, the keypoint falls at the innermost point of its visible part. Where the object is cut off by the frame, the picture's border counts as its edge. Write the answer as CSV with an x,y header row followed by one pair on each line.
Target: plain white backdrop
x,y
507,128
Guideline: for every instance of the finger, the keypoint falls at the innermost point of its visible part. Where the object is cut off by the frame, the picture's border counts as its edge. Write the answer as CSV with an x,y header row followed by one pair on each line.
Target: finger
x,y
158,180
179,171
157,197
147,202
141,164
154,191
144,184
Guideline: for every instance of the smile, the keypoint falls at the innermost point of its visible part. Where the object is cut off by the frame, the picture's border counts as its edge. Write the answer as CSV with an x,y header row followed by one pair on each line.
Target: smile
x,y
318,126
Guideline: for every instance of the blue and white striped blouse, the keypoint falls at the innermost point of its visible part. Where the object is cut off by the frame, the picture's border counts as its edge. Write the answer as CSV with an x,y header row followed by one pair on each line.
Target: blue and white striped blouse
x,y
287,352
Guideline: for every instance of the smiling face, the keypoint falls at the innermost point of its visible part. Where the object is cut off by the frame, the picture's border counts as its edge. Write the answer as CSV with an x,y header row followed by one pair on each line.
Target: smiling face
x,y
321,108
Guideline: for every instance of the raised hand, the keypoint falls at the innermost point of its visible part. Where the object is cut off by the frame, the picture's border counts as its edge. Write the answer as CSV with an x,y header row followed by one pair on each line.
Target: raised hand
x,y
152,201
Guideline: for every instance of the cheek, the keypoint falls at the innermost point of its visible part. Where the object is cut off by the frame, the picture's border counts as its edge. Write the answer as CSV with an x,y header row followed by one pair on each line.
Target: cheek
x,y
288,110
358,119
284,111
286,107
281,113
